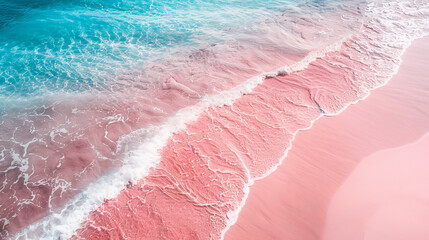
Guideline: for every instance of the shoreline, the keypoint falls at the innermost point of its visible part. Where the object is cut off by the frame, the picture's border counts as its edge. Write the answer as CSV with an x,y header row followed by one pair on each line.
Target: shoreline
x,y
177,162
257,205
157,139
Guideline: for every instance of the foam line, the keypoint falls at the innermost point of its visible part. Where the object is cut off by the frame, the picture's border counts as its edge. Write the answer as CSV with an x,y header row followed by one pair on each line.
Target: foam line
x,y
108,186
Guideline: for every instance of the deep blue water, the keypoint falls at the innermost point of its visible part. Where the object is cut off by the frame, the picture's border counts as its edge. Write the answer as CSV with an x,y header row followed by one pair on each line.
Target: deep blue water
x,y
49,46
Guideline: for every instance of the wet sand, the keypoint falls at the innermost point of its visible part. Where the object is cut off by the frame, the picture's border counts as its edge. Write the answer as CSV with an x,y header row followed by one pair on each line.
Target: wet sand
x,y
292,202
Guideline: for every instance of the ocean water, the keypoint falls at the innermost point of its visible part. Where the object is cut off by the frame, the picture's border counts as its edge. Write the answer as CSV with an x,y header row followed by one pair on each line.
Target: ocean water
x,y
167,107
73,46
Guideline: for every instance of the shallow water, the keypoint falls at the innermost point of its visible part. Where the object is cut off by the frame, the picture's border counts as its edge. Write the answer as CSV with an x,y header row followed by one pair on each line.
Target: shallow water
x,y
48,46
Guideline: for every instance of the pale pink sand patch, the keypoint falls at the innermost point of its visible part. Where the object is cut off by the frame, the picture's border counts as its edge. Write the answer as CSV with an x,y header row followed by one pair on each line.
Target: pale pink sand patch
x,y
386,197
291,203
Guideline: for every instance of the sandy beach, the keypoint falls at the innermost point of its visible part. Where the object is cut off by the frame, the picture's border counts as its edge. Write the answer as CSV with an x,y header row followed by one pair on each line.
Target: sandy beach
x,y
292,203
157,119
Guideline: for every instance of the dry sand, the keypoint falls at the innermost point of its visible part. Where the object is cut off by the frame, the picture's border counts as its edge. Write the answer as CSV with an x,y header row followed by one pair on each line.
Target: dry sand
x,y
385,198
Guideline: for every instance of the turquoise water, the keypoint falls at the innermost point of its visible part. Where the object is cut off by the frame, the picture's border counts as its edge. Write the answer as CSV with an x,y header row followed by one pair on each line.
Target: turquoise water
x,y
51,46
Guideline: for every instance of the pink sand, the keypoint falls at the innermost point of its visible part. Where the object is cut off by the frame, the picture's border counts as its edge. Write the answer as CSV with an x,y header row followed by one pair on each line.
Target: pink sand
x,y
292,202
386,197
